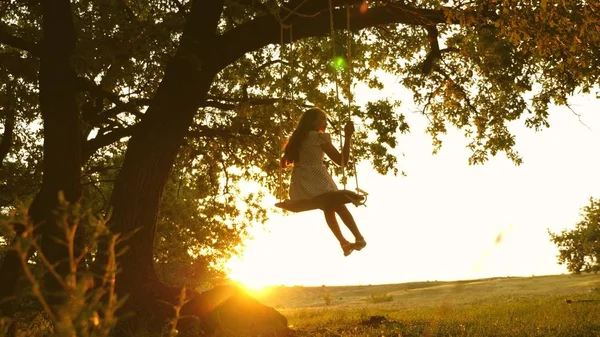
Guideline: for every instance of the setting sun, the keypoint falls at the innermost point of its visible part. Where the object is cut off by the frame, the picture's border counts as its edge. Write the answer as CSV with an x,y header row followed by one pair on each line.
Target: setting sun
x,y
247,275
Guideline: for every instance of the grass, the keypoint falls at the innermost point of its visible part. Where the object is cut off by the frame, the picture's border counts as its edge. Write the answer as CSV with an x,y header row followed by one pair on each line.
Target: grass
x,y
558,305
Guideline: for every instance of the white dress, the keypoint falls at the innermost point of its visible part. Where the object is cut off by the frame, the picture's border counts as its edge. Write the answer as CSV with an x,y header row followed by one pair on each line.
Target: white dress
x,y
309,175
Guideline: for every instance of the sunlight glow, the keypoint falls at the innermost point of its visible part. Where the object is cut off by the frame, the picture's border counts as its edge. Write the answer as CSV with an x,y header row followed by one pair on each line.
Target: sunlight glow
x,y
445,220
247,275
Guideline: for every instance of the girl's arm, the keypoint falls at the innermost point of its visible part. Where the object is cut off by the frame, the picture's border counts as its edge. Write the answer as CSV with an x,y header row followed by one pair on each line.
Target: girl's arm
x,y
333,153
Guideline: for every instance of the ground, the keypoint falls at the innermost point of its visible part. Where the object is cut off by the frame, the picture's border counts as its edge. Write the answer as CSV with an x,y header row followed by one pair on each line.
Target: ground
x,y
558,305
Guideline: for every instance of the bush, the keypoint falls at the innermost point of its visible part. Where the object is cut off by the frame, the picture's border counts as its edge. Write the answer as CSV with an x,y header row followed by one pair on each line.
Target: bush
x,y
380,298
578,248
88,306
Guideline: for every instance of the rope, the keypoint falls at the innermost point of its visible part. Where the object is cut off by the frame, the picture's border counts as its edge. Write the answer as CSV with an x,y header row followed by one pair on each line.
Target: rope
x,y
281,197
292,111
282,27
349,92
337,93
350,97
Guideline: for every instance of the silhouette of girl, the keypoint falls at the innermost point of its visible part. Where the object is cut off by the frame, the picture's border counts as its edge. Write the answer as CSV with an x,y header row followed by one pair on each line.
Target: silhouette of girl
x,y
306,150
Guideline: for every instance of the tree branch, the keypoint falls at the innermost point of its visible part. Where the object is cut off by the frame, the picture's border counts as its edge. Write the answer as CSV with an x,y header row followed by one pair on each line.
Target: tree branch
x,y
17,42
220,102
203,19
255,5
84,84
213,102
94,144
7,137
312,8
265,30
434,53
180,7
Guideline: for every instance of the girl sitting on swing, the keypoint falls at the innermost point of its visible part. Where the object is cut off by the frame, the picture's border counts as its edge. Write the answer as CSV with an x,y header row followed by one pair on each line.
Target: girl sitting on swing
x,y
306,149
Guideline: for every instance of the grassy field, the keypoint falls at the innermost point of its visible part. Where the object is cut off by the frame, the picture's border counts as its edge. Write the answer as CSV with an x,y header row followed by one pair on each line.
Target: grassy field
x,y
559,305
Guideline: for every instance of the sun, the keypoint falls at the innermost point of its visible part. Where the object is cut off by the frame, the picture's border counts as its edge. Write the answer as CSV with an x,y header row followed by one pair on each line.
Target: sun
x,y
248,275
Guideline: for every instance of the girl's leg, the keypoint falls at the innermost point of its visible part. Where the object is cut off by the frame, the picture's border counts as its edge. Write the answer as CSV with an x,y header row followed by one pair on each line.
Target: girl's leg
x,y
348,220
347,247
333,225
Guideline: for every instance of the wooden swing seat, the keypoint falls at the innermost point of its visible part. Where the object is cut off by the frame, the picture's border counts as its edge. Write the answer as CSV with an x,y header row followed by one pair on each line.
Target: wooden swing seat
x,y
322,201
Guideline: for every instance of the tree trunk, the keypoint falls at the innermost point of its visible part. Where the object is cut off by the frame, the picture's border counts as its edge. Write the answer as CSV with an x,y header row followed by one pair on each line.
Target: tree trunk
x,y
136,196
62,147
62,153
150,155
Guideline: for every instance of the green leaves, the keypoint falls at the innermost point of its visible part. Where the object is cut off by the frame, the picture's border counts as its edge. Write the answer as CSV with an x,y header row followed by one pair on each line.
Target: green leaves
x,y
579,248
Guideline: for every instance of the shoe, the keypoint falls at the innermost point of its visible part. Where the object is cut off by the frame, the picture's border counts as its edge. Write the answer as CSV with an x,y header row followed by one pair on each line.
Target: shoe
x,y
347,248
360,244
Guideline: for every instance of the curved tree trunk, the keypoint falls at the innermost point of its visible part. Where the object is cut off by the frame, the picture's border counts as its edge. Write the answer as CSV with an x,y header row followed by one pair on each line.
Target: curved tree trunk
x,y
150,155
136,196
151,152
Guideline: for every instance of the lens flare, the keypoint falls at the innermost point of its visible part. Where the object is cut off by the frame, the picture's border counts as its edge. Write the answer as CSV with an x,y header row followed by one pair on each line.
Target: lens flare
x,y
338,63
363,7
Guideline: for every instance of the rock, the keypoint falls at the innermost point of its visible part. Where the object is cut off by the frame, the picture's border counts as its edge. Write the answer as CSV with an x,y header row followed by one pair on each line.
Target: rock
x,y
230,311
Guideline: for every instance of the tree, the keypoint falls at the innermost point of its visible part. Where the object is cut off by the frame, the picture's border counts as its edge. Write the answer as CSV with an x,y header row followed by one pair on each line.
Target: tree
x,y
205,83
579,248
62,155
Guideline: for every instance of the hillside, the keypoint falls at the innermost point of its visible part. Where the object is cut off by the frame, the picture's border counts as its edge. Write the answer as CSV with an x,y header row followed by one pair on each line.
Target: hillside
x,y
429,294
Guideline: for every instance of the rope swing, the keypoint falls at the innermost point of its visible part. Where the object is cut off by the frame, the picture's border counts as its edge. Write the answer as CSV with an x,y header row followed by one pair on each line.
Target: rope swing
x,y
335,61
336,197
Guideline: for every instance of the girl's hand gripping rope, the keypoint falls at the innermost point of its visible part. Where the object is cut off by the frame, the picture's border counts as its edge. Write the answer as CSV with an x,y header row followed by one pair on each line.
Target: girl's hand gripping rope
x,y
349,129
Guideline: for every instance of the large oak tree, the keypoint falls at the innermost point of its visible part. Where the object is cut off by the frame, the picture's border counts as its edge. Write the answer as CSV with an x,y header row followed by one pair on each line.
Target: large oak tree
x,y
204,86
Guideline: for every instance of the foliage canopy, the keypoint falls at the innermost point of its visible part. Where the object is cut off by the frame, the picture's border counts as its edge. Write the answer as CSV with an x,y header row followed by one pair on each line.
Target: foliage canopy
x,y
579,248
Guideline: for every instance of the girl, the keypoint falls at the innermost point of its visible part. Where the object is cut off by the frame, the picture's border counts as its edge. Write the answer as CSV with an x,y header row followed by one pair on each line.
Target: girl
x,y
306,149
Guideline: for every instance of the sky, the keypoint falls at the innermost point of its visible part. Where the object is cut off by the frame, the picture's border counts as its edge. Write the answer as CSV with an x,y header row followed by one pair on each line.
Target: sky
x,y
444,220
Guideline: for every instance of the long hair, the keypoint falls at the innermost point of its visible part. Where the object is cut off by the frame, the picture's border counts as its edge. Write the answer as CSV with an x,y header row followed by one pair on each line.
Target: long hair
x,y
305,125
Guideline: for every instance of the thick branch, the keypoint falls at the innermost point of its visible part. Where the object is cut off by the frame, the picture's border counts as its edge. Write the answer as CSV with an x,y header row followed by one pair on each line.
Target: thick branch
x,y
219,102
311,8
265,30
83,84
17,42
213,102
94,144
203,19
434,53
7,137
